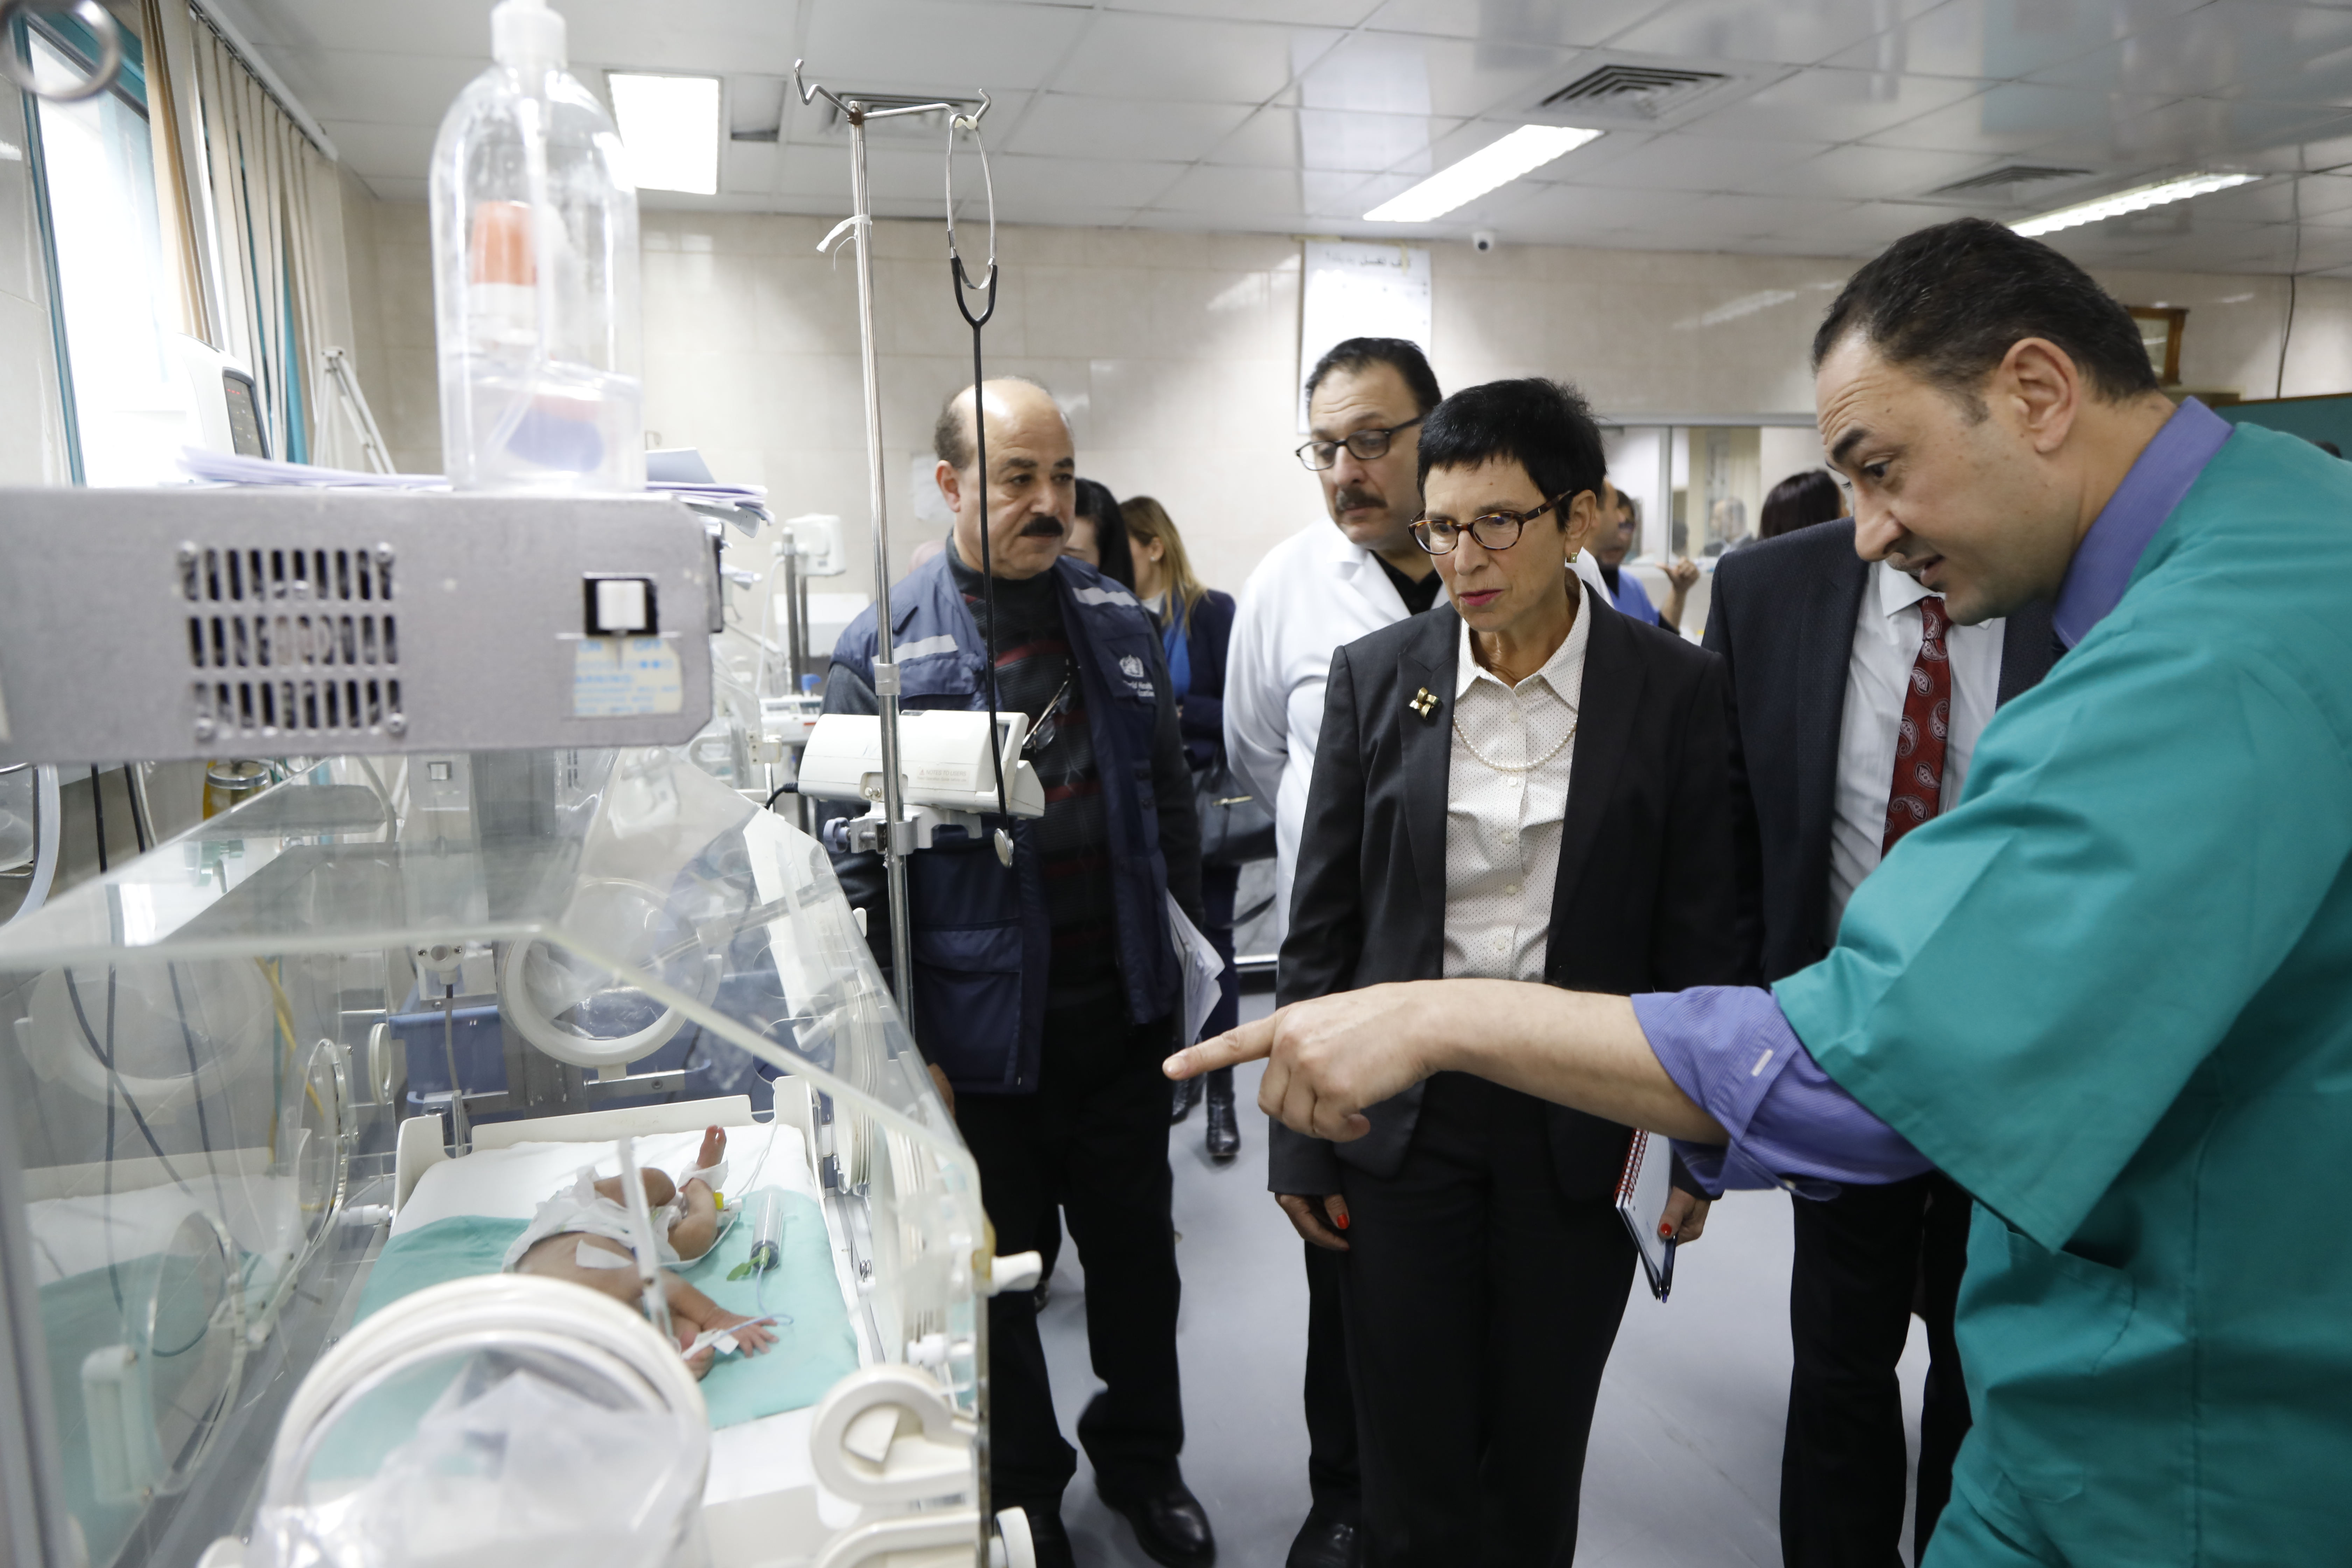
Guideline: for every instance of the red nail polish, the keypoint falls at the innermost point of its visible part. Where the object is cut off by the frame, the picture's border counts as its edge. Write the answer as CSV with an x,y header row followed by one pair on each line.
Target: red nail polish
x,y
1341,1221
1666,1231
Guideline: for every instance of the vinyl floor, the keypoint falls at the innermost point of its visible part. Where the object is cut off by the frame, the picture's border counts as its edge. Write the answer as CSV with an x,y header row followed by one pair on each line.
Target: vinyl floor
x,y
1685,1470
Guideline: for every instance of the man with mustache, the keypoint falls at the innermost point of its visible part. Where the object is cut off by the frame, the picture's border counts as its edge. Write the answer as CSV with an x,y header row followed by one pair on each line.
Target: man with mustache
x,y
1314,591
1046,991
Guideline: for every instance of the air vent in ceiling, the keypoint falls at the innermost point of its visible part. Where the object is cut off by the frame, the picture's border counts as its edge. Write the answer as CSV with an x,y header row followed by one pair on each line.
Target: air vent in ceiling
x,y
2006,178
1634,91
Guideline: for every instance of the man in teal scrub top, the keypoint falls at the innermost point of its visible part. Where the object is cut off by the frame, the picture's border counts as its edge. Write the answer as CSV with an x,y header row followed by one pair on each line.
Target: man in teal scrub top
x,y
2110,993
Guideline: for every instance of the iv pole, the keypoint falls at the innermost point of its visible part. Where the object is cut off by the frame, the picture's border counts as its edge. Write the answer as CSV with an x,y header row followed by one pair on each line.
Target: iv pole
x,y
897,839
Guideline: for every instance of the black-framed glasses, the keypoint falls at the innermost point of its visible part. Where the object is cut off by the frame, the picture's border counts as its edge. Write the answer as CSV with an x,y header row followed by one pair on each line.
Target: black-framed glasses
x,y
1493,530
1049,720
1365,445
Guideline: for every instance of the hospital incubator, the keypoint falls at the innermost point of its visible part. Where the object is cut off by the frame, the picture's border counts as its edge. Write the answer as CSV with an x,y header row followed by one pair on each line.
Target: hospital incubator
x,y
280,1093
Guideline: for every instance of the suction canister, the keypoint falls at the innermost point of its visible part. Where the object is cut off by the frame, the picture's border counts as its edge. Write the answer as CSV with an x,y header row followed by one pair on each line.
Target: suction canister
x,y
535,282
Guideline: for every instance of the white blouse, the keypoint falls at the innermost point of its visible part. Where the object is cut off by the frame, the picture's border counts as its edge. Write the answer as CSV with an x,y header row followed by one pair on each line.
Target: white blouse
x,y
1506,797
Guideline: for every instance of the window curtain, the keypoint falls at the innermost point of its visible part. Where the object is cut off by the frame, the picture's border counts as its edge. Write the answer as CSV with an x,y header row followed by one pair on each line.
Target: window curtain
x,y
177,132
263,210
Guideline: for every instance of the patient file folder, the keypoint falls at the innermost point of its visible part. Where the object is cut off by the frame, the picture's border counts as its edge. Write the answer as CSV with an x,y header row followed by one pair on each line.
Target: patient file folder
x,y
1642,1192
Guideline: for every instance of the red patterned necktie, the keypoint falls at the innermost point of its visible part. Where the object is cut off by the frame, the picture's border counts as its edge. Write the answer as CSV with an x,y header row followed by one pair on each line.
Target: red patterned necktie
x,y
1918,791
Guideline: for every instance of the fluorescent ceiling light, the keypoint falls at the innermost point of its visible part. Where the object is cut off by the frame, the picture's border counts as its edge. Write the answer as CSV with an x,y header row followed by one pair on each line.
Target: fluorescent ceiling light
x,y
2137,199
1523,151
670,126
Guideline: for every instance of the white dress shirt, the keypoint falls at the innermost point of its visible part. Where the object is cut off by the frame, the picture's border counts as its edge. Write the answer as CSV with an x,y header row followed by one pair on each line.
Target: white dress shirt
x,y
1507,788
1878,671
1313,592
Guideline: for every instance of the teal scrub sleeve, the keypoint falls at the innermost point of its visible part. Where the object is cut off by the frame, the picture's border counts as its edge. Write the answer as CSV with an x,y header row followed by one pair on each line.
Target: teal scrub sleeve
x,y
2027,987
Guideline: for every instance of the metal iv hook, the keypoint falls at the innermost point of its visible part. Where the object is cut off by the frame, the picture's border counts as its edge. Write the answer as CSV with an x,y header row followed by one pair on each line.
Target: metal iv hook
x,y
18,66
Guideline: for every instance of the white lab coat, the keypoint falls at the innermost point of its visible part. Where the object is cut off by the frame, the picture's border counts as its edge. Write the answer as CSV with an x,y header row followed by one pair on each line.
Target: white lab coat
x,y
1313,593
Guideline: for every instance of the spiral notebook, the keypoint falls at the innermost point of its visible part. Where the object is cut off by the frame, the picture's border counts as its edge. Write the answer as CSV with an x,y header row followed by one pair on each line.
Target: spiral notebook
x,y
1642,1204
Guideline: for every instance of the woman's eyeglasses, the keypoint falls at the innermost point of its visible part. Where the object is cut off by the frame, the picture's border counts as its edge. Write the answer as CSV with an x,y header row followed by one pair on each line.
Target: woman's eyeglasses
x,y
1366,444
1493,531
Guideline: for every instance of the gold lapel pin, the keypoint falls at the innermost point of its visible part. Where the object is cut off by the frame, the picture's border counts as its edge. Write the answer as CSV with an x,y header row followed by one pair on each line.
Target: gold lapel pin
x,y
1424,702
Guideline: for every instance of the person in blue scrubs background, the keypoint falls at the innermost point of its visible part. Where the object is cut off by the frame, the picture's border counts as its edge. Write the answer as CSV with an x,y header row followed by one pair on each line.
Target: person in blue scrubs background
x,y
2109,994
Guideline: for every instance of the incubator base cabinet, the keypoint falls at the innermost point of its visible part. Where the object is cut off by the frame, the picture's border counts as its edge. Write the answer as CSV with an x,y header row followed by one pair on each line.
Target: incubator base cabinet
x,y
285,1095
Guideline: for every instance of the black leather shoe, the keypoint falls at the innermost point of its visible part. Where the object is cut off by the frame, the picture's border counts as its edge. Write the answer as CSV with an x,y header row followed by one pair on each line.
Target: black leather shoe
x,y
1224,1131
1048,1540
1186,1096
1324,1541
1169,1525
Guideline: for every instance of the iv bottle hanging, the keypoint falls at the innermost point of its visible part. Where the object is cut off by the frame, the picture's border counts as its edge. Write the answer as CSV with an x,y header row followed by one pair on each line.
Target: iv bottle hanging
x,y
535,275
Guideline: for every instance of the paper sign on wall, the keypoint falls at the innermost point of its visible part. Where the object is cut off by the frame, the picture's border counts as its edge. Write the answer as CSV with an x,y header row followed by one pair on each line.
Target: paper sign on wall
x,y
1354,291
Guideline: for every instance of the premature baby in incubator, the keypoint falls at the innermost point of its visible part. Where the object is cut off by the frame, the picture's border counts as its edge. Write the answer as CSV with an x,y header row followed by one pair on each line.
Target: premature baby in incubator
x,y
583,1235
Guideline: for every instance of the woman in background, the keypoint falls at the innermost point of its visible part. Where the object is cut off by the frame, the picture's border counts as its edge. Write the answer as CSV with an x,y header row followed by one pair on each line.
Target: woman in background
x,y
1097,537
1801,501
1195,624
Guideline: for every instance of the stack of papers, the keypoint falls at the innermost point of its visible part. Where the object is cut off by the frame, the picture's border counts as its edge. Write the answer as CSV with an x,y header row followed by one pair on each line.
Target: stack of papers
x,y
231,468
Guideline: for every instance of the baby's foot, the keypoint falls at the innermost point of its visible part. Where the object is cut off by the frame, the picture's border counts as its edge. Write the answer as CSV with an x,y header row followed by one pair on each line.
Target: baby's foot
x,y
714,1149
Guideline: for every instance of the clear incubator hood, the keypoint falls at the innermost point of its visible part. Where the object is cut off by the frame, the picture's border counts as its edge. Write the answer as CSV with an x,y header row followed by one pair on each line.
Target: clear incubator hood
x,y
277,1091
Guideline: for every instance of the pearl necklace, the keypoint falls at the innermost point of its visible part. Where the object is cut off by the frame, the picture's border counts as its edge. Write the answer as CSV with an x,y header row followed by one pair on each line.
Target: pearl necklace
x,y
1472,747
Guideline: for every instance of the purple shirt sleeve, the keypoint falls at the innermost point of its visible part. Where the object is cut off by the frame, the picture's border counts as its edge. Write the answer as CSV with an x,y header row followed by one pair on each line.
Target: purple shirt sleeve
x,y
1730,1049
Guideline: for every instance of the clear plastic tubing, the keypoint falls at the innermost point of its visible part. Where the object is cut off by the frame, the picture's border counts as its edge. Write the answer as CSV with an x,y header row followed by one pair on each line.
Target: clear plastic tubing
x,y
535,276
767,1232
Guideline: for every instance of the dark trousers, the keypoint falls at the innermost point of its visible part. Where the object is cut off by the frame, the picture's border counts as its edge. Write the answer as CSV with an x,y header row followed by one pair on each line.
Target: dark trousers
x,y
1331,1475
1218,885
1481,1306
1864,1260
1092,1143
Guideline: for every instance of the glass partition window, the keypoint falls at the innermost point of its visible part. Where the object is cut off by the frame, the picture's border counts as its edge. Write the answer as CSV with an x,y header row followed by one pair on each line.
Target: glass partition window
x,y
127,405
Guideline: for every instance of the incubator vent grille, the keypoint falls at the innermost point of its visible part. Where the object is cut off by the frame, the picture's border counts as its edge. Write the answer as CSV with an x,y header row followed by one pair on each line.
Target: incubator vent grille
x,y
2009,174
291,642
1636,92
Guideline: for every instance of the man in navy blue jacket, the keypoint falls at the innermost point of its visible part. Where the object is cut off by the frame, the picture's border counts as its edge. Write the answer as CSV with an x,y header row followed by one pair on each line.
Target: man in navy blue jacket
x,y
1046,992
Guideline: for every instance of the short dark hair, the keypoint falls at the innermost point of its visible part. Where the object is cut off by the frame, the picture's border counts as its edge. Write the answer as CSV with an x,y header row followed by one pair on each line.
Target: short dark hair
x,y
1543,426
1355,355
1100,507
1948,302
951,435
1799,502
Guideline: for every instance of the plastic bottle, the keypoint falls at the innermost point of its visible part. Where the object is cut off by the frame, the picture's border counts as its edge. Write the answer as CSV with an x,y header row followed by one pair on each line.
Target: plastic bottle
x,y
535,275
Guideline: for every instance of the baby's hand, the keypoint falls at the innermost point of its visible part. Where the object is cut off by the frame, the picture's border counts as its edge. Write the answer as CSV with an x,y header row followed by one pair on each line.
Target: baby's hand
x,y
752,1334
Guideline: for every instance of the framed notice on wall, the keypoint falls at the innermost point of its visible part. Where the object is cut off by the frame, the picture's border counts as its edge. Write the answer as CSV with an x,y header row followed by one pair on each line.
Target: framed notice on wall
x,y
1352,291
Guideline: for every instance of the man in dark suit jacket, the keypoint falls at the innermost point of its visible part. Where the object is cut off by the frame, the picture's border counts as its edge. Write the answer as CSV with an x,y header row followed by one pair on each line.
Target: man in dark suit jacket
x,y
1823,651
1486,1269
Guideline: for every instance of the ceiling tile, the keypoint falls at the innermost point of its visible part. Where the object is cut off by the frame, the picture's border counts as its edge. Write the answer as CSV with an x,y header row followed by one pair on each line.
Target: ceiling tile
x,y
1598,211
1866,173
370,150
385,89
1182,58
1124,127
1209,191
1301,12
1268,139
1087,182
1679,162
1582,24
2009,118
1432,76
2210,49
1826,105
1789,32
936,46
2000,41
2189,130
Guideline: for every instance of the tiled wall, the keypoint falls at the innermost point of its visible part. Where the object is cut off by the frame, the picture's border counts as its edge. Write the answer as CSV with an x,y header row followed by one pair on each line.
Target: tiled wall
x,y
1176,353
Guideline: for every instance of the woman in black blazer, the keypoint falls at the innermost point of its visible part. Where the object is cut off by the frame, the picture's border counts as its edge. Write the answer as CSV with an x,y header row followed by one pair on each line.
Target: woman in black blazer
x,y
1196,622
1486,1269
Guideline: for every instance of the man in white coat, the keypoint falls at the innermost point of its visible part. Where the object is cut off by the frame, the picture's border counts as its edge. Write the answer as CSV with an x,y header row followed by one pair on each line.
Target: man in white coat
x,y
1321,588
